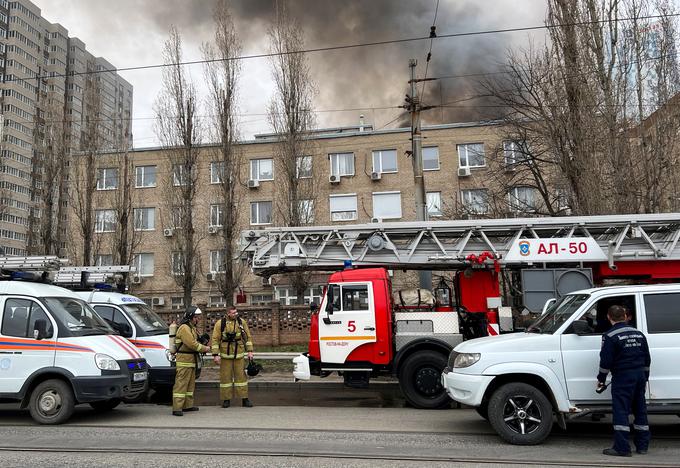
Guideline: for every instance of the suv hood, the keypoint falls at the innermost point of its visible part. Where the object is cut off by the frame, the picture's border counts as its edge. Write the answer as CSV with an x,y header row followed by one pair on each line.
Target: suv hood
x,y
507,342
115,346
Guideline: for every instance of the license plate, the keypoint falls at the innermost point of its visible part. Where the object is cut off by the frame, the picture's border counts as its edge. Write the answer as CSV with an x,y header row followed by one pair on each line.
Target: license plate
x,y
139,376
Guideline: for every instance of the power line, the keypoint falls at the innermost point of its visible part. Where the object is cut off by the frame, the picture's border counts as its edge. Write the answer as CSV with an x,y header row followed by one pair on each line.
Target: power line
x,y
433,35
343,47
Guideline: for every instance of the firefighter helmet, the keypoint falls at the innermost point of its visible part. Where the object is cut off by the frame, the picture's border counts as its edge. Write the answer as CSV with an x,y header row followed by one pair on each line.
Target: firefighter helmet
x,y
253,368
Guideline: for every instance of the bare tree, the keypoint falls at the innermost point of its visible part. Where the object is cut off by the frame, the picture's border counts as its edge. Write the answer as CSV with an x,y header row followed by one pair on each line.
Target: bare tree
x,y
83,175
583,102
291,117
178,129
222,72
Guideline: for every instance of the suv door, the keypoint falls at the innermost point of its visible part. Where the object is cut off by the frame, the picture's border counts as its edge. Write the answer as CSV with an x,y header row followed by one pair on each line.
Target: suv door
x,y
20,353
662,326
581,353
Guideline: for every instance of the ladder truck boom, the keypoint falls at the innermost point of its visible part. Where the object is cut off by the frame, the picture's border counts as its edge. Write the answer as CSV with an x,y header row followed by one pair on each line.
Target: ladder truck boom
x,y
445,245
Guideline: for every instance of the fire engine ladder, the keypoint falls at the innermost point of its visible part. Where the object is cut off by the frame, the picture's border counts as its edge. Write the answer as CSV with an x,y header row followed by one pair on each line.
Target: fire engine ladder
x,y
446,245
34,267
91,275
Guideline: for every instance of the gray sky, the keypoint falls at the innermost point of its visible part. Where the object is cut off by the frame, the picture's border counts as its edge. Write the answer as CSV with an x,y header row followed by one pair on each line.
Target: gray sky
x,y
132,32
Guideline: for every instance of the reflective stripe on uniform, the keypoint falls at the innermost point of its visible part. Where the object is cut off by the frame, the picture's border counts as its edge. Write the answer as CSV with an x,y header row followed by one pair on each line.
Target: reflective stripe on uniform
x,y
199,347
639,427
184,364
231,356
178,395
225,385
604,371
622,330
240,384
189,393
618,427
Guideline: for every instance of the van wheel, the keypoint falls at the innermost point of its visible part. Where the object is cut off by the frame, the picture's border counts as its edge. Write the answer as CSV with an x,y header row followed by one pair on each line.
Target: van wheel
x,y
521,414
105,405
52,402
420,380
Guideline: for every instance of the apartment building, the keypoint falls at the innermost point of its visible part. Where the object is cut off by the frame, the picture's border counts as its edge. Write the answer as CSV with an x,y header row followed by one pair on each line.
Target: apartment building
x,y
42,69
361,175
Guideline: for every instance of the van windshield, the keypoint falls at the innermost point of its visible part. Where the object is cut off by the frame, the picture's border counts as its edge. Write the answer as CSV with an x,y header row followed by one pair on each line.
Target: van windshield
x,y
557,314
77,316
146,319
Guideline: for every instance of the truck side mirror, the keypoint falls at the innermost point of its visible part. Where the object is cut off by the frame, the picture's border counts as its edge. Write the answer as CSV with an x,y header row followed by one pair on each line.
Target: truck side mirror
x,y
40,329
329,300
581,328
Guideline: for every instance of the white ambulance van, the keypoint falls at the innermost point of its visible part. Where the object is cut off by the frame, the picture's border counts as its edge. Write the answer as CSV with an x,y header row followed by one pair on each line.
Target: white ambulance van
x,y
134,320
56,352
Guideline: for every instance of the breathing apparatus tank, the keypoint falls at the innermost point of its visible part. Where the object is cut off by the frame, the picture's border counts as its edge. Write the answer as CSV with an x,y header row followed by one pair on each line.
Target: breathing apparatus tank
x,y
172,330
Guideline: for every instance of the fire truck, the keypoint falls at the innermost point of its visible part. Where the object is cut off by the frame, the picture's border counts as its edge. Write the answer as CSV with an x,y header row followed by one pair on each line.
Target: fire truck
x,y
362,329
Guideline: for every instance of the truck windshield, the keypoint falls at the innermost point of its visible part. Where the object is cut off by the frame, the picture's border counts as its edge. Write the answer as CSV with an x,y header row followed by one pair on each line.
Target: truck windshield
x,y
77,316
146,319
557,314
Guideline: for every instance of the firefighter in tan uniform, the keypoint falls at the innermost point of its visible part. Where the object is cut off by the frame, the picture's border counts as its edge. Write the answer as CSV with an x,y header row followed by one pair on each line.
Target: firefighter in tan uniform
x,y
186,361
231,344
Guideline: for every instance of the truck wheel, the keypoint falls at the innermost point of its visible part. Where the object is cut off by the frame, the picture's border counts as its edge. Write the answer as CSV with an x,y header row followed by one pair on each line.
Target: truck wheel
x,y
521,414
105,405
420,380
52,402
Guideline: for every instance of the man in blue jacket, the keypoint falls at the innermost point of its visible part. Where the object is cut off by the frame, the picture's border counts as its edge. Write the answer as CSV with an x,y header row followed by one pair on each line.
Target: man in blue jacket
x,y
625,354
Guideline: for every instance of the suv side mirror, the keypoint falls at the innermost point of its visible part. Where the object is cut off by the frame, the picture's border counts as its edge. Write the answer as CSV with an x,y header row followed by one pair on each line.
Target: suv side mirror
x,y
581,327
40,329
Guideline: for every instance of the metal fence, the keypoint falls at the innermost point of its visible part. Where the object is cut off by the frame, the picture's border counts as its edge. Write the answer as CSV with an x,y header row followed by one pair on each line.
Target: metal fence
x,y
270,325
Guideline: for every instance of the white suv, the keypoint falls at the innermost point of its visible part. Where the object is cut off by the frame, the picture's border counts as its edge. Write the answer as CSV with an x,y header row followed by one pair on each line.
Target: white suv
x,y
519,381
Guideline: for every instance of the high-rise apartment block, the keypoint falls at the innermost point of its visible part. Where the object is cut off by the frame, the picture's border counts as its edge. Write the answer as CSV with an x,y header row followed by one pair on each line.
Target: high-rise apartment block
x,y
50,85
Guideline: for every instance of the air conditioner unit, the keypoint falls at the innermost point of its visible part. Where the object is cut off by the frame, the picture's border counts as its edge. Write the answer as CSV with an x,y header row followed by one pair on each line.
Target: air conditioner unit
x,y
376,176
157,301
136,279
253,183
213,229
210,276
334,179
168,232
463,171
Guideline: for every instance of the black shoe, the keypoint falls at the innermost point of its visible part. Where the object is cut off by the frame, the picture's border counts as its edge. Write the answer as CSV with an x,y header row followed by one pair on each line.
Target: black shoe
x,y
193,408
177,413
226,404
641,452
247,403
614,453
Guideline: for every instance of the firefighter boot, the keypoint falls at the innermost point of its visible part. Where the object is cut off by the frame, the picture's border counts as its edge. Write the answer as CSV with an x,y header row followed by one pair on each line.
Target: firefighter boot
x,y
226,403
193,408
177,413
247,403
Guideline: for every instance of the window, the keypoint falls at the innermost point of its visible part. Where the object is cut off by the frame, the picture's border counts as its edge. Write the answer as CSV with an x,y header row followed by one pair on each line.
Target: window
x,y
103,260
387,205
177,217
431,158
434,203
216,172
343,207
216,301
262,169
514,152
261,212
177,303
288,295
144,264
261,299
471,155
116,319
217,261
475,201
145,219
304,167
107,178
354,298
342,164
306,211
20,316
385,161
177,263
216,215
105,220
662,312
179,175
596,315
522,199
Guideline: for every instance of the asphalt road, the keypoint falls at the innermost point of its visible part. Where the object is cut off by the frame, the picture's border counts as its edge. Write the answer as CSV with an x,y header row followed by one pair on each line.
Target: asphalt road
x,y
147,435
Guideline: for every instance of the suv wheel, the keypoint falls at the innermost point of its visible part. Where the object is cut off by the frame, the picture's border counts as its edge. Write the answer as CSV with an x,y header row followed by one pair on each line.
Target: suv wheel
x,y
521,414
420,380
52,402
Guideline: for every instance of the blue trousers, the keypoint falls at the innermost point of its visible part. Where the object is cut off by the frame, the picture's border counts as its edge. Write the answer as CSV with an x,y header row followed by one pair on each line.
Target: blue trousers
x,y
628,395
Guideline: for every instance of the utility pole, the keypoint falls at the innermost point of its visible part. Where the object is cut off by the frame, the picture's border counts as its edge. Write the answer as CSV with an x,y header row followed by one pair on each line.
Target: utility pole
x,y
414,107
